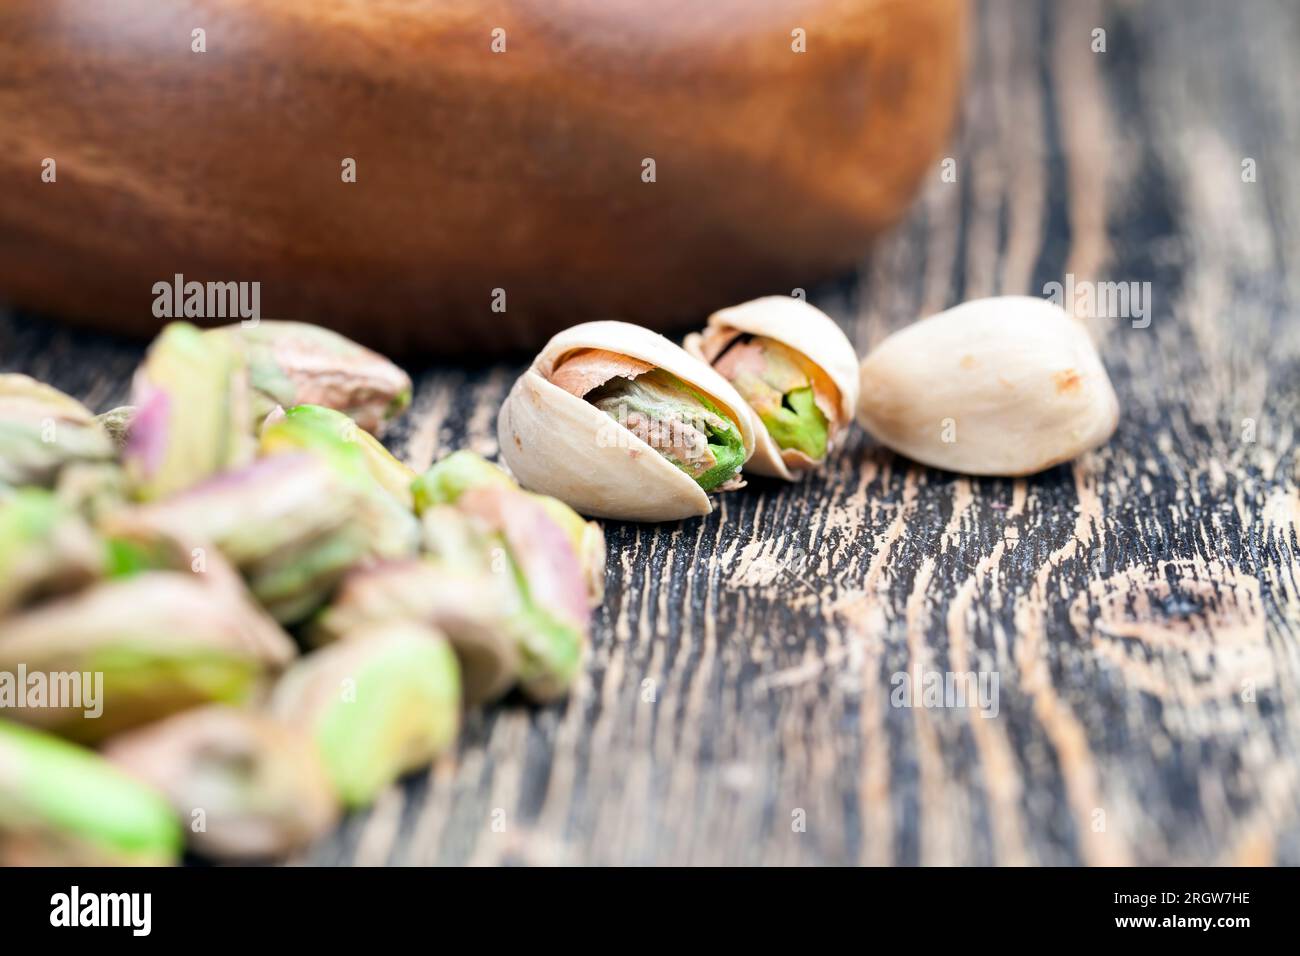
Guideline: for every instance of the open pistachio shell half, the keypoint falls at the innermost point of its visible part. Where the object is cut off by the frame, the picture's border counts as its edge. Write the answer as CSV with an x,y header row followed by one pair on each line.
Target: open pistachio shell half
x,y
618,422
797,371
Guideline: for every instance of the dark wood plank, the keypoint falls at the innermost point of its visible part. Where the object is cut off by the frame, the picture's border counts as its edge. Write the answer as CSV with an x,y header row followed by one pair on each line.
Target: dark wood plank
x,y
1140,607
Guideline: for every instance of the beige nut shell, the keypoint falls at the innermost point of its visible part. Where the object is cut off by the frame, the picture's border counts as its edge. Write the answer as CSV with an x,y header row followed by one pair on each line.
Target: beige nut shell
x,y
560,445
809,331
1005,386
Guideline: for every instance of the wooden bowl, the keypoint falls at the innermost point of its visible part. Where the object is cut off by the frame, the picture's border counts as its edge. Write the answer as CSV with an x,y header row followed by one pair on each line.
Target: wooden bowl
x,y
476,170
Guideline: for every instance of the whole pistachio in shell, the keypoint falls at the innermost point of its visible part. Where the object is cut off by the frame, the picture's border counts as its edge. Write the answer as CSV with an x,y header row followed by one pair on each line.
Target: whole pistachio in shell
x,y
377,707
295,363
42,430
1002,386
618,422
797,371
244,785
192,416
63,805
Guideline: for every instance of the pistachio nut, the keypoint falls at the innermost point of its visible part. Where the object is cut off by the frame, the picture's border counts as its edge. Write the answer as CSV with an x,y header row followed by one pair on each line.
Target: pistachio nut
x,y
45,549
42,430
288,523
1002,386
313,420
539,557
460,471
294,363
476,609
360,461
137,647
63,805
376,707
117,423
797,371
192,418
247,786
619,422
94,489
500,579
450,477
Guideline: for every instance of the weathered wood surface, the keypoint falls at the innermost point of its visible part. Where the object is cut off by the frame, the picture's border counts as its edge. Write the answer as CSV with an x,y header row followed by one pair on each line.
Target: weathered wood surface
x,y
1140,608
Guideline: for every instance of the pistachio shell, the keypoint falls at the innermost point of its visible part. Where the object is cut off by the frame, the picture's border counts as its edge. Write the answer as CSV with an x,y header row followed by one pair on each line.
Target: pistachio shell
x,y
557,444
1002,386
805,329
63,805
377,707
245,785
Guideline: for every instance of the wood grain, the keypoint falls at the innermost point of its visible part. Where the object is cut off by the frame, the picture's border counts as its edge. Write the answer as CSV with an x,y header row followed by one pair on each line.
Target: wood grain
x,y
1140,607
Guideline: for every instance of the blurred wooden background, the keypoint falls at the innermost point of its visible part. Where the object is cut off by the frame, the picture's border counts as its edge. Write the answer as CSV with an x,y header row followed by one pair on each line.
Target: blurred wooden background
x,y
1140,609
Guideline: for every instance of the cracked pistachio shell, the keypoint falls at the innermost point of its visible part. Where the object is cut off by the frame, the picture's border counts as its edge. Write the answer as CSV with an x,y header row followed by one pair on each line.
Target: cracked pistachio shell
x,y
1001,386
377,707
140,647
63,805
461,471
808,331
294,363
560,445
360,460
45,549
246,786
474,607
42,430
288,522
192,417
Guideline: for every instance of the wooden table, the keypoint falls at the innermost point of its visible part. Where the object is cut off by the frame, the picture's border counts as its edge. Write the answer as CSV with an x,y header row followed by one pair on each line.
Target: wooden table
x,y
1139,609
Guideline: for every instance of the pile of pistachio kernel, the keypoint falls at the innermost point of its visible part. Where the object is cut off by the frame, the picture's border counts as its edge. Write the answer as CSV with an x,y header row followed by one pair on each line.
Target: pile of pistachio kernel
x,y
227,613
